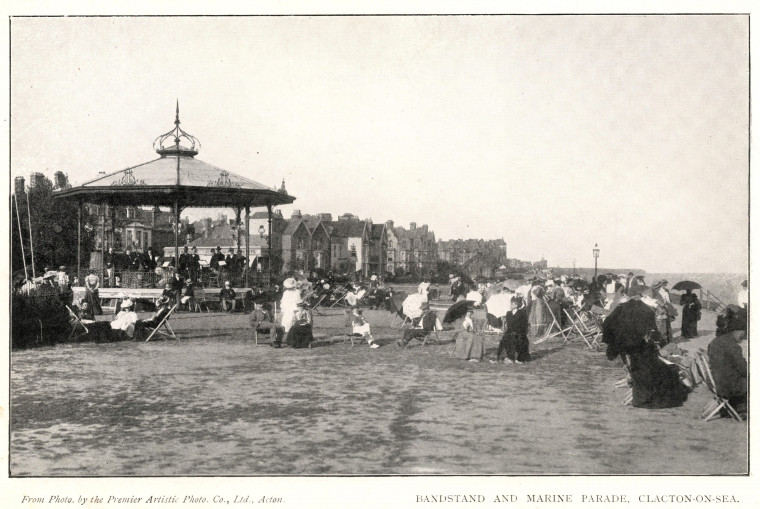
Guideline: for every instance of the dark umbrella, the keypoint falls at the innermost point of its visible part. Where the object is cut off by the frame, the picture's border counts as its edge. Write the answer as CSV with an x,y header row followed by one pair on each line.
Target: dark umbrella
x,y
686,285
457,310
396,303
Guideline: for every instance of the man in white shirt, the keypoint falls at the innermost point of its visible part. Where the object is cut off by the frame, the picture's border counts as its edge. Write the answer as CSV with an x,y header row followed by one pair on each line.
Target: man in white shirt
x,y
743,296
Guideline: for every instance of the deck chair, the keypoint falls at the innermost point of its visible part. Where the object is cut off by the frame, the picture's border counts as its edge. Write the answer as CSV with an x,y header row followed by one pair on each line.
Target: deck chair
x,y
713,407
589,334
342,297
198,302
313,308
433,334
555,325
76,325
165,324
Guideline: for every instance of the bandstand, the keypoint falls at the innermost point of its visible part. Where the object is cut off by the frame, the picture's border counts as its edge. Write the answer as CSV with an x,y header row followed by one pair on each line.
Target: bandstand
x,y
178,180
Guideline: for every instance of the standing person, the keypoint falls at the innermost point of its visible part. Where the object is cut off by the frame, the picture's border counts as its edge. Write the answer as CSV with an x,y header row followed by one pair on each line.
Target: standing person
x,y
216,258
195,265
149,260
727,363
692,313
109,262
291,296
227,297
515,342
177,283
538,312
91,286
184,262
424,287
743,296
663,313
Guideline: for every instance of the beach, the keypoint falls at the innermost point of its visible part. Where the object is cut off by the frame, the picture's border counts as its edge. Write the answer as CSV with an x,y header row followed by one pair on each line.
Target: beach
x,y
215,403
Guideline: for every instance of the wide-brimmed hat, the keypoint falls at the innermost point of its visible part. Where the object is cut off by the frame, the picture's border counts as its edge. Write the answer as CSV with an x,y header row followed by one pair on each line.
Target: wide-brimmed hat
x,y
657,285
289,283
126,303
161,301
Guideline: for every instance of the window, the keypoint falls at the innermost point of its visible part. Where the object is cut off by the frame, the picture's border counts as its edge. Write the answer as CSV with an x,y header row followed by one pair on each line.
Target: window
x,y
129,238
145,239
353,250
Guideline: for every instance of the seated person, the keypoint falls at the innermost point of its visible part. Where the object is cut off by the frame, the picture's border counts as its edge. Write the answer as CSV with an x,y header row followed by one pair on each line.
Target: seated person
x,y
163,306
360,327
727,363
300,332
425,324
467,323
84,312
126,319
187,296
169,292
227,297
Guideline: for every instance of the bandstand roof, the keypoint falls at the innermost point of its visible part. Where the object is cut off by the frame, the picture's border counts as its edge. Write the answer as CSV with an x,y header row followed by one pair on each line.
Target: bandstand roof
x,y
176,175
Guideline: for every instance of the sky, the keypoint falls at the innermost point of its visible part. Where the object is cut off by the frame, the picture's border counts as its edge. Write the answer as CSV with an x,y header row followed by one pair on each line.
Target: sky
x,y
553,132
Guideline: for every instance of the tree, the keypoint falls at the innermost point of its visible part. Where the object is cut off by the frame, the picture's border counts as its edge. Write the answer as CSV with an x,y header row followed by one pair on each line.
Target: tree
x,y
54,230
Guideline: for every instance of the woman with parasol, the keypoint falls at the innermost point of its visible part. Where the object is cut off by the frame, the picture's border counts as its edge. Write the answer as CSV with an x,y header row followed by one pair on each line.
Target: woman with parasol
x,y
692,309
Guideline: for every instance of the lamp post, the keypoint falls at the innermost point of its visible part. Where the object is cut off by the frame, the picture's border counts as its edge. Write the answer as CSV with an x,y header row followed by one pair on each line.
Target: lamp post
x,y
596,258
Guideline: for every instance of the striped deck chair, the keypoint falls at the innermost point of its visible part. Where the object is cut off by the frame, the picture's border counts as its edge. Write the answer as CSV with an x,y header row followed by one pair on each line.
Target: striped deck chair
x,y
713,407
76,325
165,324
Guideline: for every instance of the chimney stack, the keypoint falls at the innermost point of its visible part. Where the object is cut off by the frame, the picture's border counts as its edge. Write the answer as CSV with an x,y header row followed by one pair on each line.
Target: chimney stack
x,y
389,224
37,180
325,216
296,214
61,181
412,226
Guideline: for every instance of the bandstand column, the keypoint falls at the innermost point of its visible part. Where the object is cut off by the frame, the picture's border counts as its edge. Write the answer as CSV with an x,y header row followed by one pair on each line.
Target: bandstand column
x,y
176,234
269,239
103,243
247,242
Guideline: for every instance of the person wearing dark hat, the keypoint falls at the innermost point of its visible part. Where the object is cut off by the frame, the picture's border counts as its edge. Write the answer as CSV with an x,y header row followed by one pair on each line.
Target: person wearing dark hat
x,y
195,265
424,325
163,306
727,363
691,314
514,343
216,258
184,262
149,262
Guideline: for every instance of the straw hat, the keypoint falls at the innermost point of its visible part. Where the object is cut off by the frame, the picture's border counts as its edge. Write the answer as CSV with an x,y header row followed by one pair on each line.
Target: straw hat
x,y
289,283
126,303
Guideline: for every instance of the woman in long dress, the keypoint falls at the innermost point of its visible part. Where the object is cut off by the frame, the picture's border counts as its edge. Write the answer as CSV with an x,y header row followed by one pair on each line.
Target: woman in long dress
x,y
538,314
692,313
300,333
288,307
91,285
630,331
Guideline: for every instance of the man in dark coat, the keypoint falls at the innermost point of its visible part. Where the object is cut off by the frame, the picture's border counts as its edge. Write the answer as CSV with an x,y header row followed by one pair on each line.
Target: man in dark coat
x,y
227,297
425,325
195,265
216,258
184,262
727,363
515,340
691,314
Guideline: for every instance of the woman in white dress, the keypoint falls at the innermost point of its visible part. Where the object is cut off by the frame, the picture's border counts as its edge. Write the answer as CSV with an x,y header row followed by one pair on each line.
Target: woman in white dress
x,y
289,304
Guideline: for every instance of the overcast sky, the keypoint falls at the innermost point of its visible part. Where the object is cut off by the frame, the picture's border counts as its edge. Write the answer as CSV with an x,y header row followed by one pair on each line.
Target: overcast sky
x,y
553,132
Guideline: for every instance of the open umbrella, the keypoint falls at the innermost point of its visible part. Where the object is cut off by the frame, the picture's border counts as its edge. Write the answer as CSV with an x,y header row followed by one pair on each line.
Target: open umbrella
x,y
396,302
511,284
687,285
457,311
500,304
411,306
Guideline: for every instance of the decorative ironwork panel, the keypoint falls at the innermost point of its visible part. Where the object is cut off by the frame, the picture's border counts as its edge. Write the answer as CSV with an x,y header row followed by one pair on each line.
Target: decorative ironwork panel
x,y
128,180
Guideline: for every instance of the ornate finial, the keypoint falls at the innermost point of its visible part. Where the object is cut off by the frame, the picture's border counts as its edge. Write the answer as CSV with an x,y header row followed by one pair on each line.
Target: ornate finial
x,y
282,188
169,143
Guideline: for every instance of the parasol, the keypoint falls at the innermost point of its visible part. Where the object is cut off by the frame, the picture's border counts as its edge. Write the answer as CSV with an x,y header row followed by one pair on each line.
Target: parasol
x,y
500,304
475,296
411,306
687,285
457,310
396,302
